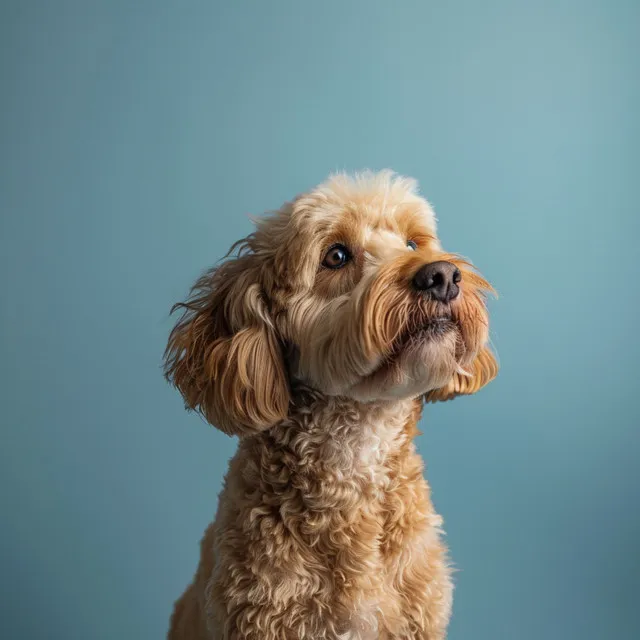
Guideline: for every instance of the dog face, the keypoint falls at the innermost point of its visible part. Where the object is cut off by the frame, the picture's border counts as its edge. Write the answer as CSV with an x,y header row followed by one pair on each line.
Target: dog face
x,y
347,290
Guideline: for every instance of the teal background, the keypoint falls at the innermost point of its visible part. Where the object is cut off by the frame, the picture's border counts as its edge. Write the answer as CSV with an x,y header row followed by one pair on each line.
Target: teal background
x,y
135,139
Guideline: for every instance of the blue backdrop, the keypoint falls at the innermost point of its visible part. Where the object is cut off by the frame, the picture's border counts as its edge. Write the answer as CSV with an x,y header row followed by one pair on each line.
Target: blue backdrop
x,y
135,139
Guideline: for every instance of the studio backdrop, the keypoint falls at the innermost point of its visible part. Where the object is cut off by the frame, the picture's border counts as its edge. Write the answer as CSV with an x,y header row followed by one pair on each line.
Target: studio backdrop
x,y
137,139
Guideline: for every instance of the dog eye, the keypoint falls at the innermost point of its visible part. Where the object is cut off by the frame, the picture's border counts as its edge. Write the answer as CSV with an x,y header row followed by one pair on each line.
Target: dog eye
x,y
412,245
337,256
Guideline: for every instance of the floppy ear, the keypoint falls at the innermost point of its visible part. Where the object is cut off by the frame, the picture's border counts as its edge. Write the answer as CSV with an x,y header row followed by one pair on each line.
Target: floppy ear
x,y
223,354
483,370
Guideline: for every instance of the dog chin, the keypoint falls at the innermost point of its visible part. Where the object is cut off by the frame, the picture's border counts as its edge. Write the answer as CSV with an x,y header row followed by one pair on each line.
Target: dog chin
x,y
424,361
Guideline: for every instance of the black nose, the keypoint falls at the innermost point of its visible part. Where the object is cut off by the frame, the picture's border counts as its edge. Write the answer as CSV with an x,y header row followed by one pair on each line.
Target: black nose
x,y
439,280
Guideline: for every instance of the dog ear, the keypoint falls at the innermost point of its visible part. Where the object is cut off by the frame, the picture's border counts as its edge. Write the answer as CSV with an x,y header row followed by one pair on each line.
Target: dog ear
x,y
223,354
483,370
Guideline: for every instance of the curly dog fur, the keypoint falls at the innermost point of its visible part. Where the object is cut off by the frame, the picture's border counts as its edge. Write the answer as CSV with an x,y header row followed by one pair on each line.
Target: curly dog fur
x,y
316,344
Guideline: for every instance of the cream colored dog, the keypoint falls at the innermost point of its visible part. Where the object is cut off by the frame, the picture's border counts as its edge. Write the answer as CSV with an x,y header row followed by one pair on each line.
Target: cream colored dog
x,y
316,344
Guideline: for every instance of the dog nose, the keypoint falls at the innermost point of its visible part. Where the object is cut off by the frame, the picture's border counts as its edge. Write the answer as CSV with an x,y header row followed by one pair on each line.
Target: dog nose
x,y
439,280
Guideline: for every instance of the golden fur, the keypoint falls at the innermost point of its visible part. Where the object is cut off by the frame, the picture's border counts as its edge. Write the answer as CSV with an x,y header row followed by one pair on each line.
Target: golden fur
x,y
325,529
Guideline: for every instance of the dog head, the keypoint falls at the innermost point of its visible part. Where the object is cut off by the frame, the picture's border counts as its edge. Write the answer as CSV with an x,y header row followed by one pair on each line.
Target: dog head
x,y
346,290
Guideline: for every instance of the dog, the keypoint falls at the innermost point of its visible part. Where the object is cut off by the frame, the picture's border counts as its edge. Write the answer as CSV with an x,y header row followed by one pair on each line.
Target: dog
x,y
317,344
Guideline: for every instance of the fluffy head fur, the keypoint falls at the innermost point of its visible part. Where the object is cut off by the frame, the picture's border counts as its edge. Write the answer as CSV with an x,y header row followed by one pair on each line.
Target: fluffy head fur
x,y
272,316
322,371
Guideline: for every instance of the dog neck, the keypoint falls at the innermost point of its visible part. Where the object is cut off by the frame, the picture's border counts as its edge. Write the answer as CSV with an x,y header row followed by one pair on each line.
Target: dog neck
x,y
347,438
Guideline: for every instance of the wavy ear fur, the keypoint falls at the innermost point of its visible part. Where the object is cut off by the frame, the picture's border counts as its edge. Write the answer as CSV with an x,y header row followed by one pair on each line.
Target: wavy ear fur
x,y
483,370
223,354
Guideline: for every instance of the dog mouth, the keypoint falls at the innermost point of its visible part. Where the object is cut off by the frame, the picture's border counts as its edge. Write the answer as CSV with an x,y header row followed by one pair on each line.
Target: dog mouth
x,y
432,329
417,334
